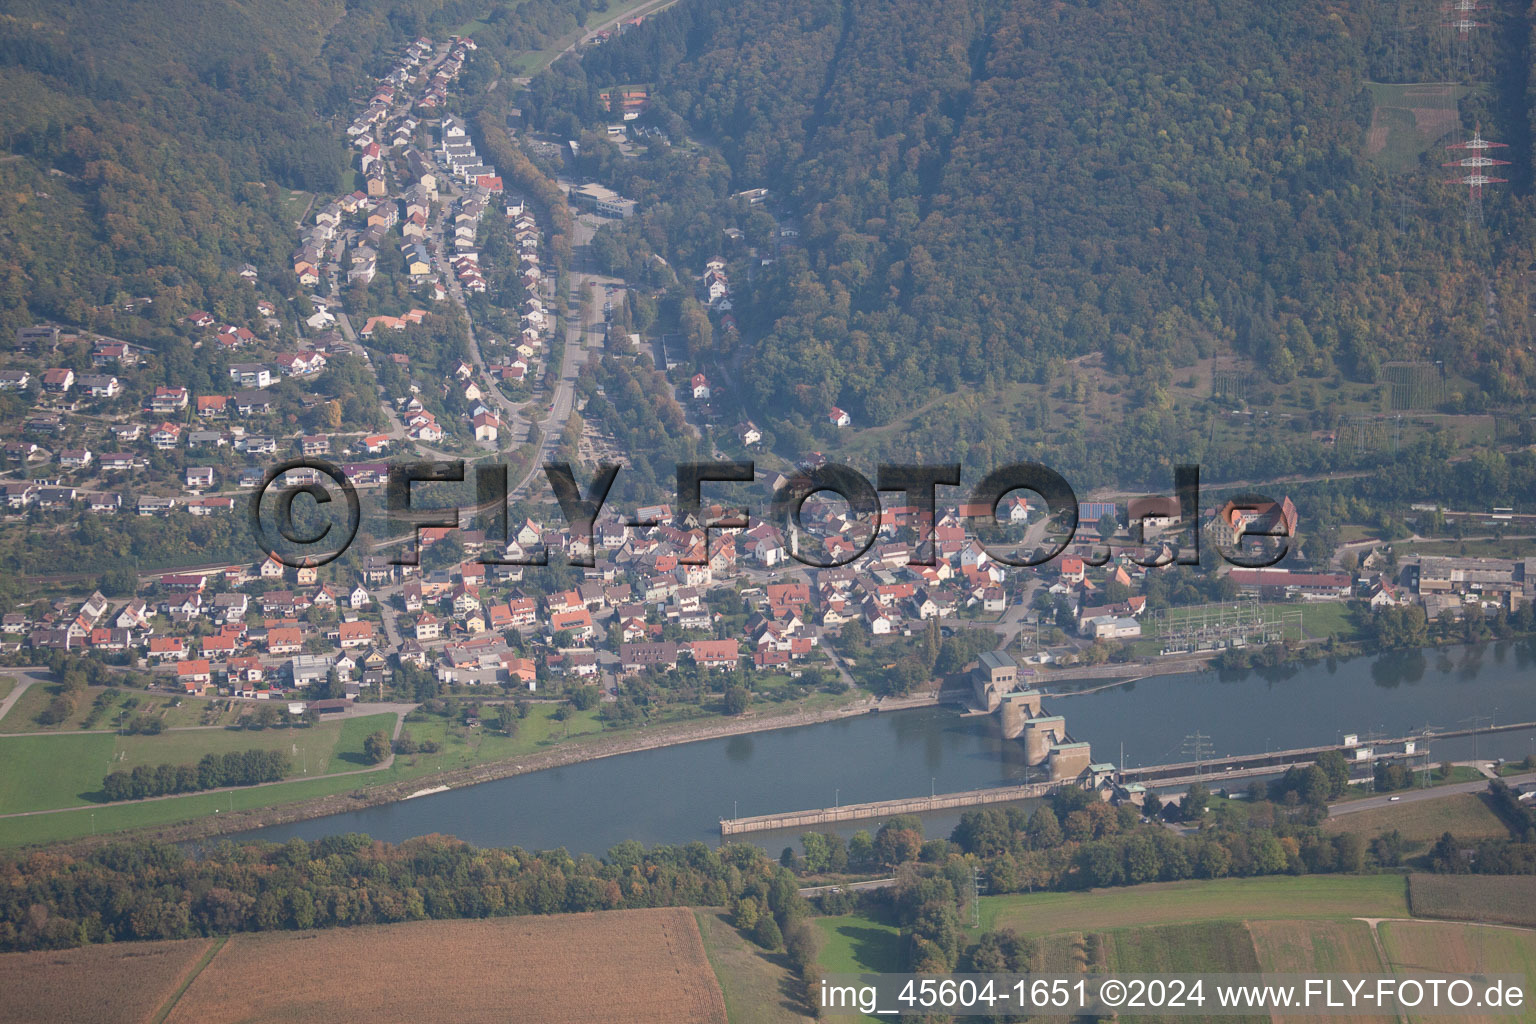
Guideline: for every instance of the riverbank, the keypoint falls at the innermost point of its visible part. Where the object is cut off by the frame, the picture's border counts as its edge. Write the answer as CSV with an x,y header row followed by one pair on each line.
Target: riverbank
x,y
565,754
1108,677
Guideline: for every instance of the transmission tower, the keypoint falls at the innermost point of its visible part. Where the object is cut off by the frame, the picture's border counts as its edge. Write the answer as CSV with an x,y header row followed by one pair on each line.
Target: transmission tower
x,y
1424,736
1475,164
1197,747
1462,24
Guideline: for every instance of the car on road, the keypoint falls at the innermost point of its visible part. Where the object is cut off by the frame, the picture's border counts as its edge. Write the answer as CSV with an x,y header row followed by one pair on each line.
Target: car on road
x,y
1393,799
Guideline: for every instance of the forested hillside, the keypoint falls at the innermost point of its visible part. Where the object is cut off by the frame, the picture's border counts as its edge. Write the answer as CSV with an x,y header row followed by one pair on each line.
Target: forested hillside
x,y
985,190
149,148
144,138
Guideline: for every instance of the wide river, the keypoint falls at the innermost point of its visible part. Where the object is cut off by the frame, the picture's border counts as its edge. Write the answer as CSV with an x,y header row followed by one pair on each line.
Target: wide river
x,y
678,794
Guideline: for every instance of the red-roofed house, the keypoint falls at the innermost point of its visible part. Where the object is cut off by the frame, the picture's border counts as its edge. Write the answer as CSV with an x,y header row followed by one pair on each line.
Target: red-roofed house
x,y
195,674
715,654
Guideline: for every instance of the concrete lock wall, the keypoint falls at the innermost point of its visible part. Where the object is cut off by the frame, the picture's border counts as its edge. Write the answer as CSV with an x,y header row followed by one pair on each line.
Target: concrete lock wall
x,y
1040,734
1068,761
884,808
987,695
1017,708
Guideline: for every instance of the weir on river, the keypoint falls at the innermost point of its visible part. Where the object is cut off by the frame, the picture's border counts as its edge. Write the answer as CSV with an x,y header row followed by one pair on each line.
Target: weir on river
x,y
1113,784
1047,743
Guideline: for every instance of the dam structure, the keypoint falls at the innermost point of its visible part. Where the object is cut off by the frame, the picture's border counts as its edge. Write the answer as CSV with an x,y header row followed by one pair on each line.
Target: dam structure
x,y
995,682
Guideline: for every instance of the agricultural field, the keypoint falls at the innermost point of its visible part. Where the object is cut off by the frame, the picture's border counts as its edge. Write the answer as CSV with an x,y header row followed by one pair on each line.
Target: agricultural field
x,y
636,966
1433,948
758,987
1323,897
1218,946
1066,953
1464,815
1506,899
1222,947
1316,947
124,983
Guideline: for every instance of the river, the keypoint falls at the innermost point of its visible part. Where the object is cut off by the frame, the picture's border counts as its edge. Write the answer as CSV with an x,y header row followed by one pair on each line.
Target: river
x,y
678,794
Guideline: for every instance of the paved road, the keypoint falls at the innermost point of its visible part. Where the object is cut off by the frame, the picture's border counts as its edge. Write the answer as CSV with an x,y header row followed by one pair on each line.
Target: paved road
x,y
25,678
1409,796
578,332
873,883
506,410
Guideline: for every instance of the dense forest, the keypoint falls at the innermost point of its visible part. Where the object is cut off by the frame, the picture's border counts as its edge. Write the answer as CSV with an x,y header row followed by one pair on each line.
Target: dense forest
x,y
144,890
980,193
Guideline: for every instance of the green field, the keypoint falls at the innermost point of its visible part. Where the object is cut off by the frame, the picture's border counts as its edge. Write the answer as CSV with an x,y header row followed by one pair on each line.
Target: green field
x,y
1509,547
38,772
1464,815
1327,897
1319,619
314,749
1214,946
757,985
1307,925
1328,618
84,821
857,944
43,772
294,203
461,746
1407,119
101,708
